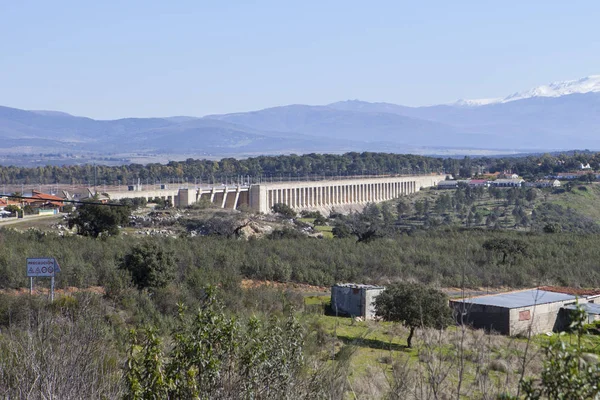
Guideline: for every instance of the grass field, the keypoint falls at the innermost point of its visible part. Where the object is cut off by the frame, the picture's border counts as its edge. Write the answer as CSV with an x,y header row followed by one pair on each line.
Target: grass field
x,y
377,356
585,199
325,230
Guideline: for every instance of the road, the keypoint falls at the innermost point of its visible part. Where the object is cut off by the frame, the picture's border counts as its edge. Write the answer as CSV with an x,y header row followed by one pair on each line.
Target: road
x,y
14,221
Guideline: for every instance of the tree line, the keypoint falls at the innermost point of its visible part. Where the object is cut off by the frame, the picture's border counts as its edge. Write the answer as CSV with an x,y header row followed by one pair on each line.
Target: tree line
x,y
295,167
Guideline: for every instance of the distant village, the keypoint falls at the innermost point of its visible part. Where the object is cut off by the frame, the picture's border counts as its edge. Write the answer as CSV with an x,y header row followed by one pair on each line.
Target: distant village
x,y
36,202
507,179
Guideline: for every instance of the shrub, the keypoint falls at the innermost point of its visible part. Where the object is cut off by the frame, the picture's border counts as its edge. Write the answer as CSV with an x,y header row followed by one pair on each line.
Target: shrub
x,y
284,210
150,265
499,366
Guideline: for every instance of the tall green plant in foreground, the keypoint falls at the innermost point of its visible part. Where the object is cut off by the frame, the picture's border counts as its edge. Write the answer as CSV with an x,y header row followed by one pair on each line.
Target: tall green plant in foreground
x,y
216,356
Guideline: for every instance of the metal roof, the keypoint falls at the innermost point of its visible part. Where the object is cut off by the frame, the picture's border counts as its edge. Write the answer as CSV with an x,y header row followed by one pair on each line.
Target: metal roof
x,y
522,298
509,180
589,308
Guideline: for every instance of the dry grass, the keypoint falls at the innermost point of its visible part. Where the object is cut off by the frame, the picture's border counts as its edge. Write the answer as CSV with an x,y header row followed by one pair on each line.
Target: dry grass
x,y
440,364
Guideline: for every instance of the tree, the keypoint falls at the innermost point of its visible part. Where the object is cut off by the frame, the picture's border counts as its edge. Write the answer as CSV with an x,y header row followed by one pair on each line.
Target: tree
x,y
150,265
320,220
134,203
28,210
506,247
552,228
284,210
99,220
415,305
402,207
12,209
365,226
386,213
420,207
341,230
160,203
16,196
478,218
569,186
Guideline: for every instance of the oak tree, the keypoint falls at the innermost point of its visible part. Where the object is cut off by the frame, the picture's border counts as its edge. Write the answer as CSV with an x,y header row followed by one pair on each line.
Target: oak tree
x,y
414,305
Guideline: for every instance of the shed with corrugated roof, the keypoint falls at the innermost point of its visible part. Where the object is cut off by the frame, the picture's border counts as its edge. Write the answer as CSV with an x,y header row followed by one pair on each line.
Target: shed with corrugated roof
x,y
517,312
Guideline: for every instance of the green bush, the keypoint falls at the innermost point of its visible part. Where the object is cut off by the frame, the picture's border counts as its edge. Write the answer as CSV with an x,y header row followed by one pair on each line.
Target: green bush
x,y
284,210
151,266
214,355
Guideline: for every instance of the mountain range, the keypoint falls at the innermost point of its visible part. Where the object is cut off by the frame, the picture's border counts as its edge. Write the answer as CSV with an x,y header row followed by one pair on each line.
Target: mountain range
x,y
561,115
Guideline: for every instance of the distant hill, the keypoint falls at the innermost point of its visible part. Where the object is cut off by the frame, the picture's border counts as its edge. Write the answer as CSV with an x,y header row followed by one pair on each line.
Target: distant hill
x,y
534,123
30,131
561,115
329,122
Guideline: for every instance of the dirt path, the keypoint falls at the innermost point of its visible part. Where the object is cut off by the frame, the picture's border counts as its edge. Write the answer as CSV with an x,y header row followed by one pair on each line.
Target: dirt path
x,y
57,292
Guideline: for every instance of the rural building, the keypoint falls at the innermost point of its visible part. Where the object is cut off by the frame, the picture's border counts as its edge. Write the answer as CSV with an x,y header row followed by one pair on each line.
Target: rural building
x,y
96,197
5,202
447,184
512,182
354,299
543,309
544,183
478,182
592,310
43,201
568,176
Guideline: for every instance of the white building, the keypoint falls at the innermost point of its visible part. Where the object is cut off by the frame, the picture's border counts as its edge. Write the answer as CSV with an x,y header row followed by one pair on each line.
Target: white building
x,y
544,183
355,300
508,182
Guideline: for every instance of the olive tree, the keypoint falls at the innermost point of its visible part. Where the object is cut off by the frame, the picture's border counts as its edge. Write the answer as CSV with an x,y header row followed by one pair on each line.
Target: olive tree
x,y
414,305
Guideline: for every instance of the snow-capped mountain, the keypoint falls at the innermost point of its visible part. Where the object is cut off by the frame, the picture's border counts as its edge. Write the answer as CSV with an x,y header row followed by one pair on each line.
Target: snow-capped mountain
x,y
562,115
556,89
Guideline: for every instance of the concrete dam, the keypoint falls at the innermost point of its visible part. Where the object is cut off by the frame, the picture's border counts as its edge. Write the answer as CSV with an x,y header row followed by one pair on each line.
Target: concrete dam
x,y
301,195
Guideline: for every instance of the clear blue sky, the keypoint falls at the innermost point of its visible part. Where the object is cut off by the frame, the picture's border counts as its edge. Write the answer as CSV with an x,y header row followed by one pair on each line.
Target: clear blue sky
x,y
110,59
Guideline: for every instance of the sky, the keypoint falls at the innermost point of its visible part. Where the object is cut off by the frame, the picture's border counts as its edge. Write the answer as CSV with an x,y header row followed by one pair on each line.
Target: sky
x,y
143,58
